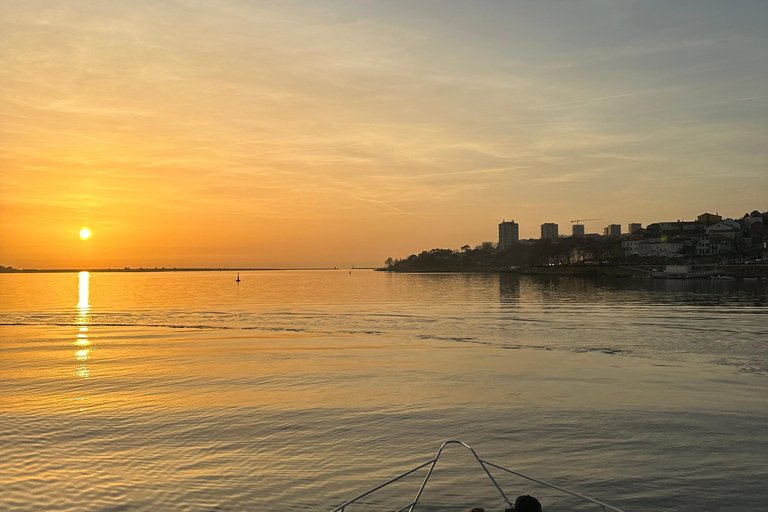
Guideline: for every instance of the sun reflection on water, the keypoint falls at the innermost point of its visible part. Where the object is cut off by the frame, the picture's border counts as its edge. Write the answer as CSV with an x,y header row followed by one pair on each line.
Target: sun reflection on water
x,y
83,318
83,304
83,371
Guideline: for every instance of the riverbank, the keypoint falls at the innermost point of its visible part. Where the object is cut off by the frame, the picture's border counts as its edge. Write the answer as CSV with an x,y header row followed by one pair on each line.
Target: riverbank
x,y
623,271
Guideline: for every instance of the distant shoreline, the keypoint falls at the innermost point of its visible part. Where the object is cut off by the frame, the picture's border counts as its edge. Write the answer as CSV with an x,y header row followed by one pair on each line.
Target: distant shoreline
x,y
739,271
180,269
611,271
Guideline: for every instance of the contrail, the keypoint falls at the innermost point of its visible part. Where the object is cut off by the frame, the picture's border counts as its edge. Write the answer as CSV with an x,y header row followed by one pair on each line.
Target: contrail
x,y
471,171
731,101
588,100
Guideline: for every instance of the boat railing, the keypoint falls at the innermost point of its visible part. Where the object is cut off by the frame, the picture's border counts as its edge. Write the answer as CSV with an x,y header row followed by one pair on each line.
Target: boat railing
x,y
484,464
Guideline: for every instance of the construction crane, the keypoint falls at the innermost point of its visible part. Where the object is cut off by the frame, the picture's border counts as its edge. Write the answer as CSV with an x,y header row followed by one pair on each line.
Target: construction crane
x,y
577,221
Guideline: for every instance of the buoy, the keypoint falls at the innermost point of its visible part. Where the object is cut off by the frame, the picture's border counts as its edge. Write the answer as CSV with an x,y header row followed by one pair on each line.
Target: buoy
x,y
238,277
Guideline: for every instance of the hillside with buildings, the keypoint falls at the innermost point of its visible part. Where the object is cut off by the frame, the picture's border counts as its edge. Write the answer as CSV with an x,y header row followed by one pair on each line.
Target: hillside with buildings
x,y
708,240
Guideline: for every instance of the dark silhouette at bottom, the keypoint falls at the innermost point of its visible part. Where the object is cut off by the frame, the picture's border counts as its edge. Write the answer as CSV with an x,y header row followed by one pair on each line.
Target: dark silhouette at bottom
x,y
526,503
523,503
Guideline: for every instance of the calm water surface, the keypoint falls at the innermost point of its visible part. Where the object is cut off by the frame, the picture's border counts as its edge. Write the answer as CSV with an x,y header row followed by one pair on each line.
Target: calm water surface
x,y
296,390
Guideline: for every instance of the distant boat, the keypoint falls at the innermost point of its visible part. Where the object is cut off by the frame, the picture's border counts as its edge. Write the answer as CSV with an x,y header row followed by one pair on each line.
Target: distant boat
x,y
238,278
723,278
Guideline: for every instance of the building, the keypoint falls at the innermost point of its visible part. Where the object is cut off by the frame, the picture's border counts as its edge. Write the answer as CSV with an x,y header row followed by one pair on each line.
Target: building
x,y
728,227
668,249
709,218
578,230
549,231
509,233
681,226
630,245
635,226
752,219
612,230
716,243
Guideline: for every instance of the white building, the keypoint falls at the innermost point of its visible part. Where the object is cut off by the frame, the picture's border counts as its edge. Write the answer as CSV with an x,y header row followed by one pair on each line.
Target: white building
x,y
629,246
660,249
728,227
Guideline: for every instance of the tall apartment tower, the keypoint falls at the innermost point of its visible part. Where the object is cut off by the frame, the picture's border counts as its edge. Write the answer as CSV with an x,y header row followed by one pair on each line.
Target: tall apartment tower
x,y
509,233
578,230
549,231
612,230
635,226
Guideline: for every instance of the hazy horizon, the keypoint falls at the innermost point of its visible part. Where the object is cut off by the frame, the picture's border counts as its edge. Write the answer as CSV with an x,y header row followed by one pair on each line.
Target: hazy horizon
x,y
309,266
229,133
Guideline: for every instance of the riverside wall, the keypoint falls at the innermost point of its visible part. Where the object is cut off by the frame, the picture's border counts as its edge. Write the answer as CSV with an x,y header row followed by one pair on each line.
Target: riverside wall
x,y
737,271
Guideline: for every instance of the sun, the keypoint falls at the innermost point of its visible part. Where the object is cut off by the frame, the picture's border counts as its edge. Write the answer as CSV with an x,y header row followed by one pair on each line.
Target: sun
x,y
85,234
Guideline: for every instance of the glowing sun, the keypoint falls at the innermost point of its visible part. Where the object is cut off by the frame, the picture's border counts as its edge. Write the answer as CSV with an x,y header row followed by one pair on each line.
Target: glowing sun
x,y
85,234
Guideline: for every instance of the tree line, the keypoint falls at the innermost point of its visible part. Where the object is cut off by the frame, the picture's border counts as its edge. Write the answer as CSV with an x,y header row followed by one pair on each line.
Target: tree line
x,y
563,251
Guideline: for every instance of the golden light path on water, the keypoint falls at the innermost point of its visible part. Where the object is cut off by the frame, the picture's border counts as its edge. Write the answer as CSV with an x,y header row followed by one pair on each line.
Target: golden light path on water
x,y
83,352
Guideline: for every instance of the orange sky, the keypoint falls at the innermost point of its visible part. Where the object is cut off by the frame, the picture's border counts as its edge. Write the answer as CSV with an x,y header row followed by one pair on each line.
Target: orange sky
x,y
228,133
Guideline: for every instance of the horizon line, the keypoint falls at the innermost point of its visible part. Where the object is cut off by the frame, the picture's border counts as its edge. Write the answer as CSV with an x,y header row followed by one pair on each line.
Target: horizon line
x,y
176,269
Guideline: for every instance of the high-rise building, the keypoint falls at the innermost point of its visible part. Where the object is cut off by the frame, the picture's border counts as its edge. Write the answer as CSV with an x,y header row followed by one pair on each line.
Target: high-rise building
x,y
635,226
612,230
578,230
509,233
549,231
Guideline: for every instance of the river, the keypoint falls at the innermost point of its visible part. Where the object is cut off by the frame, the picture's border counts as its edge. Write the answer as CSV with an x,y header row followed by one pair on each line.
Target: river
x,y
295,390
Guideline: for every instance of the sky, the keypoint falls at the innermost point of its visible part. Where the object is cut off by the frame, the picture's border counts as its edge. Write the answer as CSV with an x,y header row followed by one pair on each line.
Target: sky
x,y
338,133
